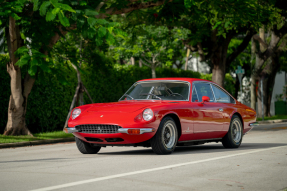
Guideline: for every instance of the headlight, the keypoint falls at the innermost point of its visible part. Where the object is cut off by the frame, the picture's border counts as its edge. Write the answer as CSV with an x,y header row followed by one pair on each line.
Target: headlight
x,y
76,113
147,114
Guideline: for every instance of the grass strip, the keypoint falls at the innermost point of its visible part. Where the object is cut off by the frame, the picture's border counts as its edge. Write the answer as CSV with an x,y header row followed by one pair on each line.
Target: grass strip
x,y
273,117
37,137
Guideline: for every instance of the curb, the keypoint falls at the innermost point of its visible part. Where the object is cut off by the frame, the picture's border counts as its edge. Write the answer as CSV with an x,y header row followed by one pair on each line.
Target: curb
x,y
40,142
272,121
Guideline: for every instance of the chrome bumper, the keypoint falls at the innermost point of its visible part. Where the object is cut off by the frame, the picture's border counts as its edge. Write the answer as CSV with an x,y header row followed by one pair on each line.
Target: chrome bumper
x,y
143,130
122,130
252,125
70,130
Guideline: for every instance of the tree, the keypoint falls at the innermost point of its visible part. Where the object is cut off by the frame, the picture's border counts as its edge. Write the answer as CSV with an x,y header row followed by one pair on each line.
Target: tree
x,y
267,65
34,27
214,24
268,53
154,45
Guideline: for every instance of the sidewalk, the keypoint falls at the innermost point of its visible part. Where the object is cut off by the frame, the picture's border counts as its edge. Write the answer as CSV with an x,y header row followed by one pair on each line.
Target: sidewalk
x,y
72,139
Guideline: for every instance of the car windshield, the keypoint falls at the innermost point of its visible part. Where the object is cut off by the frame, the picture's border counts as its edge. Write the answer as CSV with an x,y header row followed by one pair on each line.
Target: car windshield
x,y
158,90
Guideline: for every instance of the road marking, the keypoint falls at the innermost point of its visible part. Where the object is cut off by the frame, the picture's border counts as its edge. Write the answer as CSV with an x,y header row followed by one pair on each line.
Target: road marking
x,y
150,170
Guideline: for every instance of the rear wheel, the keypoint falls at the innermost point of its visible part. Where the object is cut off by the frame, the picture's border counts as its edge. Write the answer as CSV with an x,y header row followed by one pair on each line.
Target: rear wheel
x,y
165,139
86,148
233,138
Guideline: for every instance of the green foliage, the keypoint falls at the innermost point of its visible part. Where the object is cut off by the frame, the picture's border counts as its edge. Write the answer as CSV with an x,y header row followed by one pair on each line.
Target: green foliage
x,y
152,43
228,15
35,60
39,20
4,94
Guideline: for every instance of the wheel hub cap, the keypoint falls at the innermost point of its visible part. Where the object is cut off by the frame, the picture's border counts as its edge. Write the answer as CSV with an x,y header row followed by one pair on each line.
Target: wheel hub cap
x,y
236,131
168,135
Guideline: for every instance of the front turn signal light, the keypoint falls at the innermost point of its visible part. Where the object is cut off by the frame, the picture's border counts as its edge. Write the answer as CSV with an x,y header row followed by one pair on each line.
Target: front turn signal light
x,y
134,131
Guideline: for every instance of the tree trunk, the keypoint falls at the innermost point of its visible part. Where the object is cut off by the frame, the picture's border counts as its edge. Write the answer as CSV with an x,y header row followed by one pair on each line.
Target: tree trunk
x,y
140,63
253,77
259,98
132,61
187,56
267,65
17,108
16,124
275,66
253,92
20,89
218,59
153,74
218,72
153,66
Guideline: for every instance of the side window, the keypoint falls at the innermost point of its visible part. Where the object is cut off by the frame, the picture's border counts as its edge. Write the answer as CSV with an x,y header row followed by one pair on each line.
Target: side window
x,y
194,95
221,96
203,89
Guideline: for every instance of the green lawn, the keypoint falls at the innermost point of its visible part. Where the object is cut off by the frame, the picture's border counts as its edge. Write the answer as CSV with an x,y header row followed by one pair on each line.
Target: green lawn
x,y
37,136
273,117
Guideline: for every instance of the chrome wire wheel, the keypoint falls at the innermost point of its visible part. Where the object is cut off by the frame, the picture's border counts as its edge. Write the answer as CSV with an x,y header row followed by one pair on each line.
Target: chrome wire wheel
x,y
165,139
236,131
233,137
168,135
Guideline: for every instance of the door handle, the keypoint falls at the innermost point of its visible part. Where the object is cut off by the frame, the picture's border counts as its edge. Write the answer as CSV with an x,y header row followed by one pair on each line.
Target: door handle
x,y
220,109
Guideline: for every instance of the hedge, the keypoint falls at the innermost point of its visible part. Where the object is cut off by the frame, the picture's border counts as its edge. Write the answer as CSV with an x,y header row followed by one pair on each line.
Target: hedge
x,y
49,101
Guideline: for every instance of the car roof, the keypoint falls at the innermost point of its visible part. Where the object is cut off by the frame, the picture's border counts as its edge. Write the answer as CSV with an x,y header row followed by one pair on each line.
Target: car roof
x,y
180,79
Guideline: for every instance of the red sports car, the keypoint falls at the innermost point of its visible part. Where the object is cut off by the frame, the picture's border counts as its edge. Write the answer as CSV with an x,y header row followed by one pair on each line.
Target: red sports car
x,y
163,113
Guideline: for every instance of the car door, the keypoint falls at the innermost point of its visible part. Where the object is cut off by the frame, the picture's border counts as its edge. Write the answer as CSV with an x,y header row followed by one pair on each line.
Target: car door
x,y
227,103
208,117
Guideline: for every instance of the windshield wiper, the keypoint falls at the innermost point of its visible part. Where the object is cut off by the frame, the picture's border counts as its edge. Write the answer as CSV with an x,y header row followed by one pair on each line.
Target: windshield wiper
x,y
152,95
129,96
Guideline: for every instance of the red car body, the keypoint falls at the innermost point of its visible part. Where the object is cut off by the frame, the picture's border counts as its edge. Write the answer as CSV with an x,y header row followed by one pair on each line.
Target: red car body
x,y
196,121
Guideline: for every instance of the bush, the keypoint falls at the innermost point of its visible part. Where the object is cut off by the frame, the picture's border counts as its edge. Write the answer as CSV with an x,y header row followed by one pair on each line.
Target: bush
x,y
49,101
4,91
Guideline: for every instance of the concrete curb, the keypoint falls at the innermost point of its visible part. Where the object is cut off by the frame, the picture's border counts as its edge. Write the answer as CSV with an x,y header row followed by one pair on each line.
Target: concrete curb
x,y
272,121
40,142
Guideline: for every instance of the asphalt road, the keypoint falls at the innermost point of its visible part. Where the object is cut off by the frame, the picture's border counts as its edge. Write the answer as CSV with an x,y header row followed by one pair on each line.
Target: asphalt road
x,y
259,164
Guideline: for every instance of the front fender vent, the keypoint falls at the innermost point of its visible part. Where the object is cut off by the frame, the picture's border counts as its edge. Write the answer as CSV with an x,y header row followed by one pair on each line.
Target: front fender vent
x,y
98,128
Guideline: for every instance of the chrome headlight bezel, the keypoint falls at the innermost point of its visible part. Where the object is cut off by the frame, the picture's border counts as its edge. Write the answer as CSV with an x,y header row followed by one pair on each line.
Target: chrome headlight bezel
x,y
148,114
76,112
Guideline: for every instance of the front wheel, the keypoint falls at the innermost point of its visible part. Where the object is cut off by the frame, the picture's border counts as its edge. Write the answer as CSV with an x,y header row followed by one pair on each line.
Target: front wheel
x,y
165,139
86,148
233,138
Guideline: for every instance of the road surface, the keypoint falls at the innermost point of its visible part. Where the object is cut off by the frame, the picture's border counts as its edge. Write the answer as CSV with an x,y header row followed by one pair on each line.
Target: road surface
x,y
259,164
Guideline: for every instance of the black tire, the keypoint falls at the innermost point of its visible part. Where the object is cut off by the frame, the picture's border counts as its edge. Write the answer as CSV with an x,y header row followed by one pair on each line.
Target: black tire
x,y
234,136
165,139
86,148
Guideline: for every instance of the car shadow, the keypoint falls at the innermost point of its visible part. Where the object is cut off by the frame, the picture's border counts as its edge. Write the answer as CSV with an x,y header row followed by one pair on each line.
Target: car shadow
x,y
210,148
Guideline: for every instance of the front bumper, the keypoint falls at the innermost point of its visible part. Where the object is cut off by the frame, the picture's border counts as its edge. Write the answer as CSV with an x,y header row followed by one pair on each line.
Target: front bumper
x,y
121,130
70,130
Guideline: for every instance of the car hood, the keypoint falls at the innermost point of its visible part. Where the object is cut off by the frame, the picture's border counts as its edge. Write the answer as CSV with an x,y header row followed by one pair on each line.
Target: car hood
x,y
123,107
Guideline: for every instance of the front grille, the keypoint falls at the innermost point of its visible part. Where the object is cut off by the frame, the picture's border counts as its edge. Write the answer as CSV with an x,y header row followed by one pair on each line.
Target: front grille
x,y
98,129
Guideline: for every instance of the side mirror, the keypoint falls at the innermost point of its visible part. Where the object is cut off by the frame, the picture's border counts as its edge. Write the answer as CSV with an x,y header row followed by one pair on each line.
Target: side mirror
x,y
205,99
